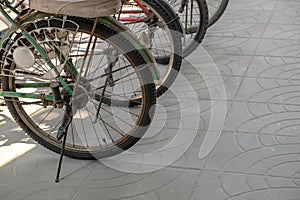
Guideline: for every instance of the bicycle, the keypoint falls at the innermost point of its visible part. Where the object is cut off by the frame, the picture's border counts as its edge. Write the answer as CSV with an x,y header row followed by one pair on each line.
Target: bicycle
x,y
58,72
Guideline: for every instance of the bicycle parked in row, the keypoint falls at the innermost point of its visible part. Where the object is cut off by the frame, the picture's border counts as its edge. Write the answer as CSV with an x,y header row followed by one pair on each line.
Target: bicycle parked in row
x,y
78,76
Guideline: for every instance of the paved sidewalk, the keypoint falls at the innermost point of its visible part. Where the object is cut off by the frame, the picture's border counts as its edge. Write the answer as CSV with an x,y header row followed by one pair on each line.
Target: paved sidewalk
x,y
256,50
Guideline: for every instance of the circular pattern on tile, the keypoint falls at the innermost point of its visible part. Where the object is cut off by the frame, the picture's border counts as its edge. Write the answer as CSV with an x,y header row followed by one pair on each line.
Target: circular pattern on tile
x,y
274,169
296,178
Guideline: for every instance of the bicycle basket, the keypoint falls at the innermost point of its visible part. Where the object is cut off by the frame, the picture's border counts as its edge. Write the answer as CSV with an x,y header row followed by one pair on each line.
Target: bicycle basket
x,y
79,8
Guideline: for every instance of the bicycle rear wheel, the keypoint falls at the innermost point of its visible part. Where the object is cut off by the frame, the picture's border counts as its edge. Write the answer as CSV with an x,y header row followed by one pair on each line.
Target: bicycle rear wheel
x,y
114,69
194,18
216,8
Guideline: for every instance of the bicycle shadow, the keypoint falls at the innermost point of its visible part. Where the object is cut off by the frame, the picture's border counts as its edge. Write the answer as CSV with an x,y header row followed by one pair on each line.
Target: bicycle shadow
x,y
17,147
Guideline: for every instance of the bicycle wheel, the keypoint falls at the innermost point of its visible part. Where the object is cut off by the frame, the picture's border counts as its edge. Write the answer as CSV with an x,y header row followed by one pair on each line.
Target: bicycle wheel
x,y
194,17
113,69
216,9
163,34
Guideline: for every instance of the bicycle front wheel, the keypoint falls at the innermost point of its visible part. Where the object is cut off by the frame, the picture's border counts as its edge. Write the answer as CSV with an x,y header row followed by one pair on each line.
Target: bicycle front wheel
x,y
194,17
112,68
216,9
162,30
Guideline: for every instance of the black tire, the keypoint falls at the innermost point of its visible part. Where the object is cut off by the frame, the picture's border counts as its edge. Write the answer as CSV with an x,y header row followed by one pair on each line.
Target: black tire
x,y
86,139
216,9
166,45
194,23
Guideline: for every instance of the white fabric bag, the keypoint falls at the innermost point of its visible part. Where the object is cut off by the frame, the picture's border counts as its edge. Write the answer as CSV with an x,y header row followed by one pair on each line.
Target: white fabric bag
x,y
80,8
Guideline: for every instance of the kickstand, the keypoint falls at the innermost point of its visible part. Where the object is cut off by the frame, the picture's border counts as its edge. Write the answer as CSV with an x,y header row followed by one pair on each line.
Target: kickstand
x,y
62,151
62,133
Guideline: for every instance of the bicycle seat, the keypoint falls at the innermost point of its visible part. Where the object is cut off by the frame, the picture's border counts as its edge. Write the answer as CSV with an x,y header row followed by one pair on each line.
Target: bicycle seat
x,y
79,8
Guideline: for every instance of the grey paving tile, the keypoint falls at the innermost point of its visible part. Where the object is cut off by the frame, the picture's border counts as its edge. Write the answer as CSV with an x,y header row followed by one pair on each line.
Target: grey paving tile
x,y
204,86
254,153
260,118
214,114
224,150
148,196
267,5
181,188
274,193
225,185
234,65
233,183
274,68
257,182
286,12
245,15
164,182
216,87
190,159
207,187
262,159
194,115
7,122
235,29
40,190
279,48
270,123
268,90
282,31
178,112
33,178
247,192
230,45
223,65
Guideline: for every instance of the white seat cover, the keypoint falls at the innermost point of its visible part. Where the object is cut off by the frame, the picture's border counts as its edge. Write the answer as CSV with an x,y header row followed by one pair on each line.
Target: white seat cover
x,y
80,8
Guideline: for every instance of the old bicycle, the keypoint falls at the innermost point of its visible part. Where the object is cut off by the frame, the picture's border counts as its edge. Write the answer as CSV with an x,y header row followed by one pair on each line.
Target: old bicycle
x,y
89,79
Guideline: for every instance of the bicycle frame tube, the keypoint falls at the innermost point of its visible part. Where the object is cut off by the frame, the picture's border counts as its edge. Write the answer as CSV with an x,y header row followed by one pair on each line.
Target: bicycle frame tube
x,y
145,10
142,9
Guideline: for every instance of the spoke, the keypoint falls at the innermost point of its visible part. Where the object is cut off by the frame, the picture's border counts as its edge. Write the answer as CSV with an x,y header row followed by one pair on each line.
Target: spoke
x,y
95,129
34,111
115,81
106,74
72,132
90,57
107,124
82,124
123,96
46,116
109,112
